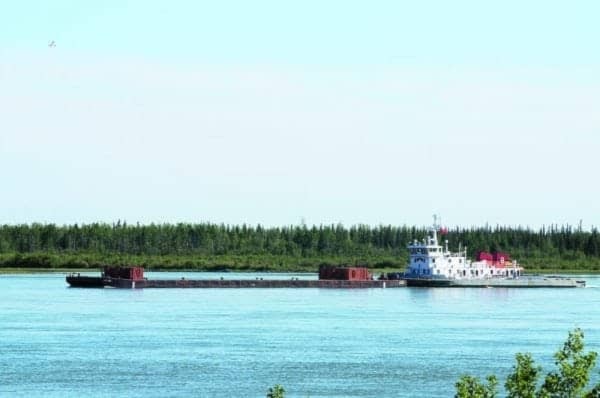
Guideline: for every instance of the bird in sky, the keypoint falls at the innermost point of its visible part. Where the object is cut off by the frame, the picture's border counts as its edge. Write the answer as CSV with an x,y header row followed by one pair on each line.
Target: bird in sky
x,y
52,44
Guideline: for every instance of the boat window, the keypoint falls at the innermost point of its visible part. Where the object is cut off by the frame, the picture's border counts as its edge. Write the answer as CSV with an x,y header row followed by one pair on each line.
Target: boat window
x,y
433,260
460,260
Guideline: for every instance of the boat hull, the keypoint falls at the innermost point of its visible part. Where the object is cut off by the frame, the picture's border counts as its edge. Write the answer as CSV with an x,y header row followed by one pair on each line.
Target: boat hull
x,y
425,282
528,282
85,281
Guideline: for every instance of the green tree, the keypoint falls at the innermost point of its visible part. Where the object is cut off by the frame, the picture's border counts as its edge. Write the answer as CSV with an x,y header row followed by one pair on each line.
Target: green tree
x,y
573,372
471,387
277,391
594,393
522,382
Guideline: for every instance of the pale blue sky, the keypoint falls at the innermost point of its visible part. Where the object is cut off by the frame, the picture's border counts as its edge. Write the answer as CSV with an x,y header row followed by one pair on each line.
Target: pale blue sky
x,y
272,112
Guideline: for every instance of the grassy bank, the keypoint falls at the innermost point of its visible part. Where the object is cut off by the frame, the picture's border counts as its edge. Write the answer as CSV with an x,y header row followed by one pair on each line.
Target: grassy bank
x,y
38,262
20,270
258,263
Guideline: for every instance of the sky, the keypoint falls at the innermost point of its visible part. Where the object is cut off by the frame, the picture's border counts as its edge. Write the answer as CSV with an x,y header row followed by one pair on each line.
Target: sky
x,y
277,113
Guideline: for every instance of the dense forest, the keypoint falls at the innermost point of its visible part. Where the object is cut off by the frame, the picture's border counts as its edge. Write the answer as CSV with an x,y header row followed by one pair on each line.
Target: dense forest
x,y
300,248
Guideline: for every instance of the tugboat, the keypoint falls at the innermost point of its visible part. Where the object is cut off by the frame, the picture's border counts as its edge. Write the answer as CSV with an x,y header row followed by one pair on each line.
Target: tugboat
x,y
433,265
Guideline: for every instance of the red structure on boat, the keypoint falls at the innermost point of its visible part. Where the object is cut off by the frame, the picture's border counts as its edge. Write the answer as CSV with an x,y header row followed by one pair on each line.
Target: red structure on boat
x,y
328,272
133,273
496,259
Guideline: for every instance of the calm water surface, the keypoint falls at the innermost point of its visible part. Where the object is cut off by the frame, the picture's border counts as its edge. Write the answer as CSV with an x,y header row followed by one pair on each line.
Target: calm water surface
x,y
57,341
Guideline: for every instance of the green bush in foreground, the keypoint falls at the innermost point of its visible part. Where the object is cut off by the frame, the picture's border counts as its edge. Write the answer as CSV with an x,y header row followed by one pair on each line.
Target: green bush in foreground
x,y
469,386
276,391
568,381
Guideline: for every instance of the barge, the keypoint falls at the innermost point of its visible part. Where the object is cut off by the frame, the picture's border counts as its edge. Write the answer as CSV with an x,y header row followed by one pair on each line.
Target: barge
x,y
329,277
433,265
430,265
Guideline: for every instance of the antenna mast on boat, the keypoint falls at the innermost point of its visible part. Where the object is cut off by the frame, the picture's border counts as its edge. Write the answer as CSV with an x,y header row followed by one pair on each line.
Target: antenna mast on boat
x,y
436,221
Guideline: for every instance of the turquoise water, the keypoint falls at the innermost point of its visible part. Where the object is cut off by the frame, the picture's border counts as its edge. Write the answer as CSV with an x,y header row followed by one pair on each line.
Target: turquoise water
x,y
57,341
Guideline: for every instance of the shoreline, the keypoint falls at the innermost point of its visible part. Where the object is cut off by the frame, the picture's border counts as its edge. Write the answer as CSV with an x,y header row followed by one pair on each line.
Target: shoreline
x,y
375,271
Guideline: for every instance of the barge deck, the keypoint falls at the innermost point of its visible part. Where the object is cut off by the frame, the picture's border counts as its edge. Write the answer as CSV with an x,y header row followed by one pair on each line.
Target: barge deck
x,y
125,283
329,277
251,283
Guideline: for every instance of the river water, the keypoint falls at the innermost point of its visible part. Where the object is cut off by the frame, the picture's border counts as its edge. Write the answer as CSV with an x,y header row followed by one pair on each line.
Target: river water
x,y
57,341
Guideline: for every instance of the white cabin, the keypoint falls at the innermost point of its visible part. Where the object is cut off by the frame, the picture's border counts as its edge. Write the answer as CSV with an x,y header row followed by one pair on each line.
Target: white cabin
x,y
428,259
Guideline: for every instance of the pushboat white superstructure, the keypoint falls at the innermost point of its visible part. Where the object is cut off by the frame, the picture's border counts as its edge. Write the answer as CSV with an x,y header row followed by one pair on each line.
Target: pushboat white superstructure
x,y
431,265
429,260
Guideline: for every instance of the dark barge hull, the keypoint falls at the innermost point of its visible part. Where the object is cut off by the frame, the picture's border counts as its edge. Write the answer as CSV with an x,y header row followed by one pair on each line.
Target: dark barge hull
x,y
239,283
85,281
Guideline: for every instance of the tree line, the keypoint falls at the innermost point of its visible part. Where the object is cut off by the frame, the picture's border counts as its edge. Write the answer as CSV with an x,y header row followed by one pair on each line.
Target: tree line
x,y
359,243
